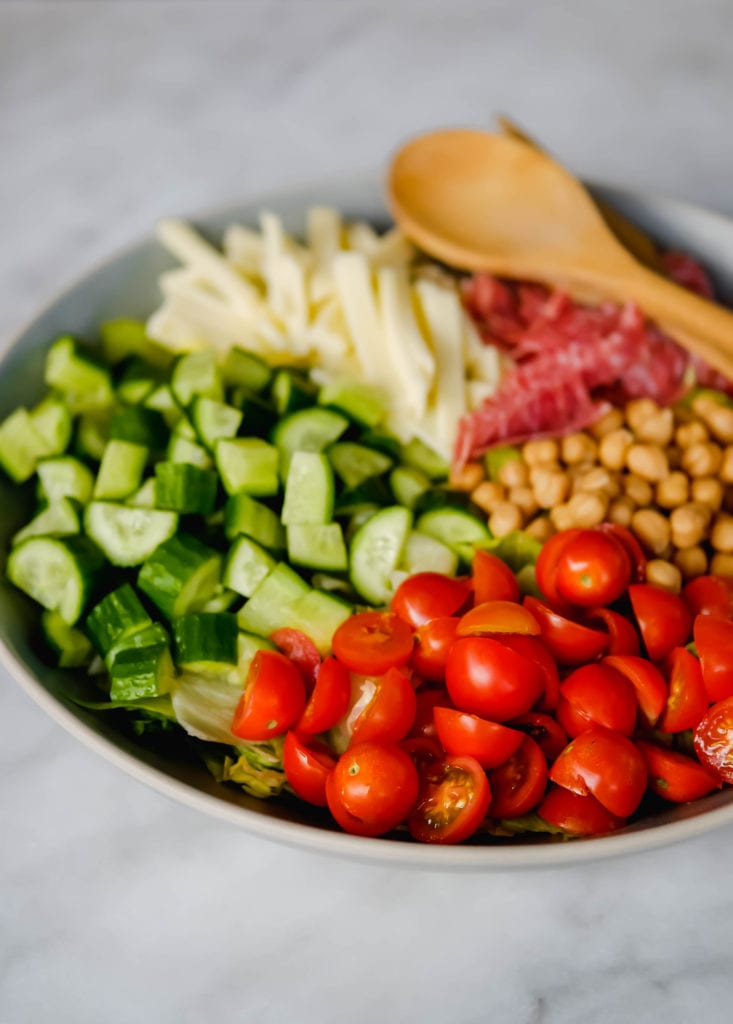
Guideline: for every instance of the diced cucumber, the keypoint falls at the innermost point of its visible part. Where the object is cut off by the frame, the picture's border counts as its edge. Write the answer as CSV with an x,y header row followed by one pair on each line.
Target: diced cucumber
x,y
461,531
181,575
426,554
268,608
308,490
196,374
213,420
65,477
57,573
419,456
121,470
52,420
382,442
139,425
92,434
143,666
144,497
310,430
161,400
221,601
408,485
244,515
376,551
498,457
137,382
317,546
355,463
180,449
185,488
184,428
123,338
85,385
292,391
59,519
319,615
248,644
205,642
127,535
248,464
245,369
21,446
115,618
363,403
69,645
246,566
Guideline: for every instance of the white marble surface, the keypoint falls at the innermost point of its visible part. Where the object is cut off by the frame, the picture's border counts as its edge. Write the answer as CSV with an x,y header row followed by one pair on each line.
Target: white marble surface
x,y
119,906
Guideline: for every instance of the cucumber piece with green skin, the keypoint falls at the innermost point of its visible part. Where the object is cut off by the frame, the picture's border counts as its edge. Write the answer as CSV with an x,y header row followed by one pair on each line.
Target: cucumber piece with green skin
x,y
85,385
310,430
244,369
317,546
21,446
144,497
248,464
417,454
53,422
319,615
70,647
137,382
127,535
377,550
123,338
59,574
120,471
355,463
246,566
292,391
139,425
426,554
115,618
213,420
142,667
221,601
244,515
268,608
59,519
204,642
184,488
408,485
459,530
181,575
309,490
196,374
92,434
184,428
161,400
180,449
363,403
65,477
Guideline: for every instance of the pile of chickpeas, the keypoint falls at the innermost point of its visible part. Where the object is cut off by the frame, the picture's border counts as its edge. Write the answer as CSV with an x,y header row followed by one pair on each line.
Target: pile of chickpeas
x,y
665,473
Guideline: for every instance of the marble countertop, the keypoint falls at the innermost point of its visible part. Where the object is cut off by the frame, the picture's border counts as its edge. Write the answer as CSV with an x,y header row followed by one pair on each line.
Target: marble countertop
x,y
120,906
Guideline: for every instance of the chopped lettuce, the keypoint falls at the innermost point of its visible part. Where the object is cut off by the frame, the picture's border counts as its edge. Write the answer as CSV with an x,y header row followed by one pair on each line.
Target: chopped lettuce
x,y
258,768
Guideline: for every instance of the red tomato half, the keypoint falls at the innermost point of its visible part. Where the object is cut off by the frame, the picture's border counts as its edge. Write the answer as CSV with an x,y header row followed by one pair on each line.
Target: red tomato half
x,y
301,650
422,750
428,595
714,642
548,734
592,568
648,682
633,549
709,595
453,800
664,621
307,766
577,815
547,562
676,777
388,712
432,643
534,649
605,764
568,641
427,701
498,617
488,678
688,699
329,700
519,784
273,698
462,734
372,789
622,637
596,695
493,580
372,642
714,739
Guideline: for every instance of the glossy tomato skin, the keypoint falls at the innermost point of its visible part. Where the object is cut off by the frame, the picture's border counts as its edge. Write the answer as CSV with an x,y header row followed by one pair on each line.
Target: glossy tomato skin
x,y
519,784
389,714
676,777
688,700
663,618
467,735
577,815
547,563
329,700
547,733
535,649
622,637
714,642
307,764
592,568
488,678
709,595
372,789
605,764
428,595
453,800
500,617
370,643
570,643
647,681
714,739
596,695
432,644
632,546
493,580
273,698
301,650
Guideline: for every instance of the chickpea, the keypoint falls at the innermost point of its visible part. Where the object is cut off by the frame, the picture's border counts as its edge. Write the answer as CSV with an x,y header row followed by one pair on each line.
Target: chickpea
x,y
524,499
587,509
621,510
673,491
561,518
613,448
638,411
540,528
648,461
657,429
536,453
707,490
612,420
664,574
597,479
652,530
726,465
468,477
504,519
691,562
514,473
691,433
577,448
488,495
721,536
719,420
550,486
689,524
638,489
721,564
702,459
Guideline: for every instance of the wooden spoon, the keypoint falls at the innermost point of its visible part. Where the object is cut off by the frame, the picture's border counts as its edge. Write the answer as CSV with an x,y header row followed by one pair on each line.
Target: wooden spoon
x,y
479,201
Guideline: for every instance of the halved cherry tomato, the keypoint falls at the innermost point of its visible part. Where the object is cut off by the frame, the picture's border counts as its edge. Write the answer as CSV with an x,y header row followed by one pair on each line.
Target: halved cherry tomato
x,y
498,617
676,777
622,637
577,815
714,642
422,750
493,580
519,784
568,641
488,742
427,701
488,678
709,595
592,568
453,800
596,695
301,650
432,643
714,739
647,681
428,595
664,621
307,766
688,699
547,562
273,698
329,700
605,764
548,734
372,642
372,789
534,649
633,549
387,714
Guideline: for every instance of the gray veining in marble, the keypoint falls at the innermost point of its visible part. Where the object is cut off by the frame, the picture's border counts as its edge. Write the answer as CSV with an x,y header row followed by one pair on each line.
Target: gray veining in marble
x,y
121,907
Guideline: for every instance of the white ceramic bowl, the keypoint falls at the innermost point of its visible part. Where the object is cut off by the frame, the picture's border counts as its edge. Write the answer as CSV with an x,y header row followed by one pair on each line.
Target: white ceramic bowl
x,y
126,286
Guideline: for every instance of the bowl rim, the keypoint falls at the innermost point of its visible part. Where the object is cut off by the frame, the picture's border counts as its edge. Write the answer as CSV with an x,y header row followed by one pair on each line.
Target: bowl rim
x,y
296,834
